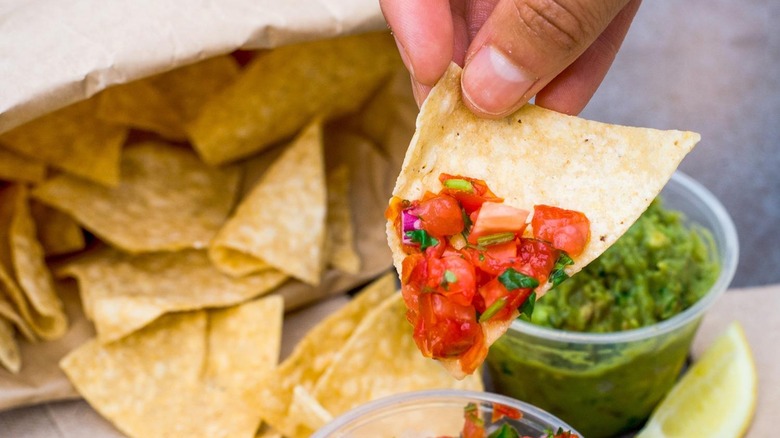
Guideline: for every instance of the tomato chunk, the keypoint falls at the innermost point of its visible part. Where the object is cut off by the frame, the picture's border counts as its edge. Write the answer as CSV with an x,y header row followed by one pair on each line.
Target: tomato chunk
x,y
445,329
567,230
452,276
440,216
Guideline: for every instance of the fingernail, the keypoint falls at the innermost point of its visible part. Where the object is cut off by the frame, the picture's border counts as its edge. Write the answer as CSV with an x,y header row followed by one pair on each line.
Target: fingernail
x,y
493,83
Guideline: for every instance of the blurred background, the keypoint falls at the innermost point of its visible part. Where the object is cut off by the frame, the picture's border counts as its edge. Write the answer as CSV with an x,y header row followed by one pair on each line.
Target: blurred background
x,y
711,66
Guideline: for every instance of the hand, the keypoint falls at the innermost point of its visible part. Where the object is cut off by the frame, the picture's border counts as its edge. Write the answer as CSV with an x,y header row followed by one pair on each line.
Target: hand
x,y
511,50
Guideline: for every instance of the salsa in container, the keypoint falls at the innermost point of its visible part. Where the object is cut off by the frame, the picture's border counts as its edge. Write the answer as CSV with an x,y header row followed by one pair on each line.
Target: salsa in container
x,y
640,335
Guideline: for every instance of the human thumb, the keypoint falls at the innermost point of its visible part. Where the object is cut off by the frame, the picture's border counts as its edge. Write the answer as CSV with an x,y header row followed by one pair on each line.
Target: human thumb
x,y
524,44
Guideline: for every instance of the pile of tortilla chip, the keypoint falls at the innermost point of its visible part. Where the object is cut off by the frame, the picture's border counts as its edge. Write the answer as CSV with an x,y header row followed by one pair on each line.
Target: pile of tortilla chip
x,y
175,198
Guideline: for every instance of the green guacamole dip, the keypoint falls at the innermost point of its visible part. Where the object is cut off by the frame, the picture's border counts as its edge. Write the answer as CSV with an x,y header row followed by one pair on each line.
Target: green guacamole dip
x,y
657,269
660,267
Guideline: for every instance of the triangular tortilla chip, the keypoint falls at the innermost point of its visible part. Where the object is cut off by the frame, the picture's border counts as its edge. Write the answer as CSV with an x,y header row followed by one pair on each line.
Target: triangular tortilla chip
x,y
314,353
340,231
164,103
380,359
72,139
281,223
122,293
24,275
536,156
282,89
167,200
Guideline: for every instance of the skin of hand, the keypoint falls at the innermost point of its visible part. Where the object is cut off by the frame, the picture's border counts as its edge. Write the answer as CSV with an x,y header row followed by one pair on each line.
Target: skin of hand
x,y
511,50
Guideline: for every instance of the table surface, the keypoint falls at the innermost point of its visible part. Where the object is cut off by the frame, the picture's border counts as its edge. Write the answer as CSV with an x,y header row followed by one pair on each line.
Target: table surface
x,y
709,67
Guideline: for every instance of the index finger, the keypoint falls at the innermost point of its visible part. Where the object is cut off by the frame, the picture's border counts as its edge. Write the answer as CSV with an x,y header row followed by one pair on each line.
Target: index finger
x,y
424,32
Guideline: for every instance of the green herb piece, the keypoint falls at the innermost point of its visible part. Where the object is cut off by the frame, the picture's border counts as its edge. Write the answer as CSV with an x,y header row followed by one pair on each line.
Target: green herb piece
x,y
459,184
527,308
467,223
512,280
505,431
494,239
493,309
558,274
423,238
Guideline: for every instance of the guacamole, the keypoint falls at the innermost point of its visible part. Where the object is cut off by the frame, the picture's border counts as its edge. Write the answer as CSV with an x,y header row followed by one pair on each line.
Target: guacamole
x,y
660,267
657,269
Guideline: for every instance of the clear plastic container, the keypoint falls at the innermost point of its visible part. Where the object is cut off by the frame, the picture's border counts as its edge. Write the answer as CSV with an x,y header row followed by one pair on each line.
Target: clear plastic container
x,y
608,383
434,413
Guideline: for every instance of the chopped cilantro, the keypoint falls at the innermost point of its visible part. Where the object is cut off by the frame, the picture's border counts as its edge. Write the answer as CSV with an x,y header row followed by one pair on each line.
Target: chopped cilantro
x,y
512,280
558,274
423,238
505,431
527,308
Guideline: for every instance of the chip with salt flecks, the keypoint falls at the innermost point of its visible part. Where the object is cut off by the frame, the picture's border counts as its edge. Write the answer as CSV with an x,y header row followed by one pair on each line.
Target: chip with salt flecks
x,y
167,200
24,275
15,167
122,293
164,103
281,222
281,90
152,383
58,232
340,249
314,353
72,139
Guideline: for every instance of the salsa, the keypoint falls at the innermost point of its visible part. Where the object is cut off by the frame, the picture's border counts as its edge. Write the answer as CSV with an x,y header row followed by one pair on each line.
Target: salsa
x,y
476,426
656,270
472,260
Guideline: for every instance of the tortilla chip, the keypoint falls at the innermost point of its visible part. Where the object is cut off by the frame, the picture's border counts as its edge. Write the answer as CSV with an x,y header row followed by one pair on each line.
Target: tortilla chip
x,y
381,359
167,200
158,372
152,383
72,139
307,411
10,358
244,342
281,90
10,314
15,167
536,156
165,102
122,293
58,233
340,232
24,275
281,223
314,353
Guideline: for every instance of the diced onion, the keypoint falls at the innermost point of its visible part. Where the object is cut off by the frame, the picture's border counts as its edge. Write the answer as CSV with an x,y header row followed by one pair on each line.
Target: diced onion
x,y
409,222
458,241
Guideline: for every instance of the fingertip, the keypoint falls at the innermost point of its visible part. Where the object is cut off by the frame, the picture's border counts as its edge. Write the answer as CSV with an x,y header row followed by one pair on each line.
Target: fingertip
x,y
423,31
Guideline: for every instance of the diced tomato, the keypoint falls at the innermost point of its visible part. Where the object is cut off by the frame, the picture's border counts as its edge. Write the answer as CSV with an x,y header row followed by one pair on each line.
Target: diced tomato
x,y
494,218
567,230
535,258
440,216
453,277
473,426
469,200
444,328
502,251
503,411
494,290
